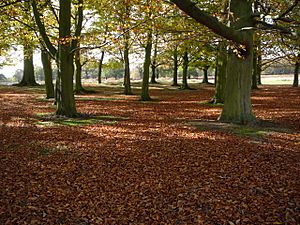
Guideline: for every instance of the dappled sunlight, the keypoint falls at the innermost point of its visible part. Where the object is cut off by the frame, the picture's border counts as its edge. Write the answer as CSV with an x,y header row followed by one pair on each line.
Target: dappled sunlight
x,y
141,154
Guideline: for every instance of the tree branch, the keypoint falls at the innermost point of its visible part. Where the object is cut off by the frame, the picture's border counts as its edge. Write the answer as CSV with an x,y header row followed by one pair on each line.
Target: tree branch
x,y
42,30
209,21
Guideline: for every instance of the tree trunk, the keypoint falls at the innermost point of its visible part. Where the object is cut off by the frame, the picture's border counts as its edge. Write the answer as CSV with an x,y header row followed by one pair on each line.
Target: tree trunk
x,y
153,65
127,85
47,67
205,75
28,72
221,73
100,64
175,69
185,71
145,86
259,63
237,105
296,72
255,64
65,97
78,72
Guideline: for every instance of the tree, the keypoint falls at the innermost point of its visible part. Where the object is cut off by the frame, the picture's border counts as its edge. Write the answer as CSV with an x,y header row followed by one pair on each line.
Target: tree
x,y
65,100
47,67
296,71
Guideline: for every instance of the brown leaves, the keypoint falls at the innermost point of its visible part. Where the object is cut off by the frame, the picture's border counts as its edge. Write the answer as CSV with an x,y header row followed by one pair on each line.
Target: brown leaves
x,y
152,168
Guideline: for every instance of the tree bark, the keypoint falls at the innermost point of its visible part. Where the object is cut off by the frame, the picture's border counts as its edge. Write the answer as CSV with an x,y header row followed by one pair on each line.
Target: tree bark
x,y
127,84
78,72
153,64
237,105
296,72
175,69
146,70
205,75
185,71
28,78
65,99
221,74
47,67
100,64
259,64
255,65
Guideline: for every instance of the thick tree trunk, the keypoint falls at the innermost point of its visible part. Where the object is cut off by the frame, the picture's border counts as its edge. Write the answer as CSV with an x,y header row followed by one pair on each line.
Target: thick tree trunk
x,y
47,67
185,71
146,71
65,97
175,69
127,85
237,105
100,64
221,73
205,75
296,72
28,78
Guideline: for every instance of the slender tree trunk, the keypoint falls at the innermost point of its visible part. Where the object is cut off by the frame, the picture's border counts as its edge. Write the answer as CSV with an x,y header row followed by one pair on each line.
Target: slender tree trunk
x,y
28,78
237,105
65,97
205,75
127,84
255,63
259,63
221,73
47,67
78,73
100,64
175,69
296,72
185,71
146,71
153,64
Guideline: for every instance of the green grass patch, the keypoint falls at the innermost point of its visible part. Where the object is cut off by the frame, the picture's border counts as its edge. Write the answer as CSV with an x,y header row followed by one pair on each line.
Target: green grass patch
x,y
48,120
249,131
211,104
97,99
41,99
45,151
258,131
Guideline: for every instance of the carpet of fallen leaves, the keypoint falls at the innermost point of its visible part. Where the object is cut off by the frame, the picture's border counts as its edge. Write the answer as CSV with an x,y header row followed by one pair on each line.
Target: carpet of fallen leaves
x,y
151,166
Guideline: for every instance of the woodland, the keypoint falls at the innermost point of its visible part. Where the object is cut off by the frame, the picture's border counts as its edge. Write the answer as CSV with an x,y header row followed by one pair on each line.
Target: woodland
x,y
150,112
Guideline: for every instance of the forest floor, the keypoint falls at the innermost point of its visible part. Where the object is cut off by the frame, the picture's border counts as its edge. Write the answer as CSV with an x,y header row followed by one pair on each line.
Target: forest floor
x,y
162,162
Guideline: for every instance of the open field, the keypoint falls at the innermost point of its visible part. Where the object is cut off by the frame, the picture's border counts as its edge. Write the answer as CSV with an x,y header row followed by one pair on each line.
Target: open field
x,y
166,161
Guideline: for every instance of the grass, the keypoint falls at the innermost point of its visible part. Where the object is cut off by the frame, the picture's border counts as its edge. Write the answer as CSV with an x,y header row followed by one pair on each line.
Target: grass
x,y
210,104
252,131
48,120
45,151
97,99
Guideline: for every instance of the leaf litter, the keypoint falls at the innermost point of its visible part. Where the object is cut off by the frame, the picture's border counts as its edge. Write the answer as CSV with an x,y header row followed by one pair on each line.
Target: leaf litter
x,y
152,167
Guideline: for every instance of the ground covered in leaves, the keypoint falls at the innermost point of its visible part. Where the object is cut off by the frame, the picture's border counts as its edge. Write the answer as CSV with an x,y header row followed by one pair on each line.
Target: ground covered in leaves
x,y
160,162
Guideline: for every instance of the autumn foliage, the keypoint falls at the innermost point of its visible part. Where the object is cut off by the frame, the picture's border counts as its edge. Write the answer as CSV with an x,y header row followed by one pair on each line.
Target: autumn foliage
x,y
144,163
